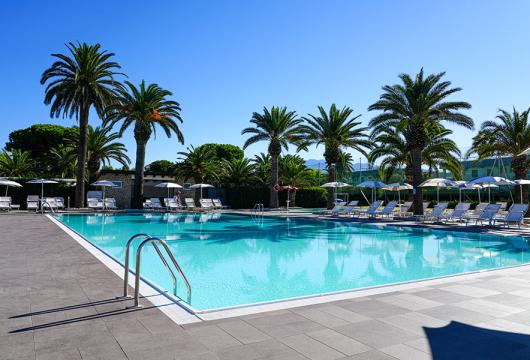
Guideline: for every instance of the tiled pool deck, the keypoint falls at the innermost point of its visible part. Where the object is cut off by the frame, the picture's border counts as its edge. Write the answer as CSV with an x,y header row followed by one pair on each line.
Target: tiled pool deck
x,y
57,301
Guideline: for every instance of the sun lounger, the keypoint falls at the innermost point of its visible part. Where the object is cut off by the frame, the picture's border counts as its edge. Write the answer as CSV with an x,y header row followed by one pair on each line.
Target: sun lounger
x,y
388,210
59,201
515,215
206,204
218,204
5,203
190,204
404,209
437,212
458,213
156,204
32,202
147,204
371,211
94,203
49,203
347,209
171,204
335,209
110,203
488,214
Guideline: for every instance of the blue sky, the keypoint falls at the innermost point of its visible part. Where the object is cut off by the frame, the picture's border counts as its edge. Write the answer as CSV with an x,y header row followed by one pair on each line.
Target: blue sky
x,y
225,59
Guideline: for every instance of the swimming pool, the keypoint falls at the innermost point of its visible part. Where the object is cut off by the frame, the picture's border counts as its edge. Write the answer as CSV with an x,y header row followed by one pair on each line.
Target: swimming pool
x,y
233,260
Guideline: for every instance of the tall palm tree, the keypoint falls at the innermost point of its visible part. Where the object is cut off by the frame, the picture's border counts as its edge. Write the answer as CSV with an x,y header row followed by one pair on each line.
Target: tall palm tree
x,y
77,82
337,130
198,164
508,135
344,166
145,107
278,127
16,163
102,148
392,149
294,172
410,107
63,161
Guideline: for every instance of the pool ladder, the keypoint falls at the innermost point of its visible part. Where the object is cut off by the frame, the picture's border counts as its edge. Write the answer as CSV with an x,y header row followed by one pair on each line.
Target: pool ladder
x,y
258,209
155,242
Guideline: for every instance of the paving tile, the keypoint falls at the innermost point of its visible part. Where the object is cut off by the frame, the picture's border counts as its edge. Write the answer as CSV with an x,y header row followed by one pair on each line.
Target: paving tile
x,y
321,317
243,331
213,337
371,355
240,352
17,345
410,301
413,322
455,313
376,334
339,342
488,307
439,295
472,291
270,348
344,314
311,348
404,352
62,355
374,308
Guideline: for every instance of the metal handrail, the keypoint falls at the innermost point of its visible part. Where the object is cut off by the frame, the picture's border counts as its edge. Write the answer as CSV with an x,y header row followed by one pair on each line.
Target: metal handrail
x,y
148,239
258,209
42,203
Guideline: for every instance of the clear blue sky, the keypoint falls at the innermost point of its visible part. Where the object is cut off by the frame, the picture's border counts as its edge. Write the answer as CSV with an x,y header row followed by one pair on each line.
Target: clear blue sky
x,y
225,59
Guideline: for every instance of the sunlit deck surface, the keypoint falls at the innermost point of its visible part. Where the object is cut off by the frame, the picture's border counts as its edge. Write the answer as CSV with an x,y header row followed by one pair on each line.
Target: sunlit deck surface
x,y
57,301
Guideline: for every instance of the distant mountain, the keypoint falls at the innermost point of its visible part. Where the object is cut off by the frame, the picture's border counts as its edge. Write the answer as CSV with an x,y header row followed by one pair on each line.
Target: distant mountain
x,y
314,164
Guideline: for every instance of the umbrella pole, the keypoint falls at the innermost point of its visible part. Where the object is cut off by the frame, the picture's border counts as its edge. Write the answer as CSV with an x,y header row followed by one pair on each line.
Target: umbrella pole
x,y
7,187
478,190
437,195
41,191
520,191
459,195
489,194
399,201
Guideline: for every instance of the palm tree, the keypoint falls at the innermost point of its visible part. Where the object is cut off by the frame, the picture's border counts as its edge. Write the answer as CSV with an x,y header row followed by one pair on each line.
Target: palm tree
x,y
63,161
76,83
198,164
440,152
410,107
344,167
294,172
508,135
262,168
238,172
145,107
16,163
337,131
102,148
278,127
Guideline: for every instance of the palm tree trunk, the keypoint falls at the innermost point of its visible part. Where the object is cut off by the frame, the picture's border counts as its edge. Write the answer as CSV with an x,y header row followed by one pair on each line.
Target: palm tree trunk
x,y
93,168
331,191
274,180
417,178
138,192
81,158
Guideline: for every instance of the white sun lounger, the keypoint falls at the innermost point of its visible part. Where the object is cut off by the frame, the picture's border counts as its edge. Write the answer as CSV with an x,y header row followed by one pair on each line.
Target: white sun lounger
x,y
94,203
110,203
171,203
156,204
347,209
190,204
388,210
32,202
218,204
5,203
334,210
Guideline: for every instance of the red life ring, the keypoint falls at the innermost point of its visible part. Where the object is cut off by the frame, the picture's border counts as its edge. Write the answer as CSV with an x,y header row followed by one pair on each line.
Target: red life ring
x,y
277,187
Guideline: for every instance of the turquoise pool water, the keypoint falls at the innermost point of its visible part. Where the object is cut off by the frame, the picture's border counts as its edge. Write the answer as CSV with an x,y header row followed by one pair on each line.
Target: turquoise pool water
x,y
233,260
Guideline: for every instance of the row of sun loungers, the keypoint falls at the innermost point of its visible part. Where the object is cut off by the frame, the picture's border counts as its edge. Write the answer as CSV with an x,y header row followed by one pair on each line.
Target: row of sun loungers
x,y
490,214
189,204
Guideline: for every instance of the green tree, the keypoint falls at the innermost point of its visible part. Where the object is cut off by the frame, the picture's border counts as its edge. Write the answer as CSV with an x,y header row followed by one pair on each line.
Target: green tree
x,y
391,148
225,151
507,135
39,140
162,166
198,164
63,161
278,127
238,172
294,172
262,168
410,107
344,167
145,108
102,148
76,83
16,163
337,131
